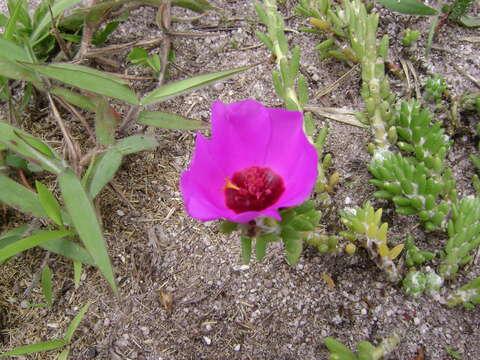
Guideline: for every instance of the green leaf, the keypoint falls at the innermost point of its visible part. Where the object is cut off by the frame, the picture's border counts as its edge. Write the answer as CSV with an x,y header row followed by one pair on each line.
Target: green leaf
x,y
12,51
3,20
261,247
293,244
77,273
63,355
106,122
19,197
34,348
154,62
14,17
18,231
136,143
337,348
85,220
40,11
410,7
33,149
365,351
100,37
470,21
29,242
39,33
169,121
14,160
12,236
23,17
46,282
294,62
35,143
69,249
226,227
137,55
74,324
88,79
180,87
15,71
454,353
246,249
302,90
103,171
49,203
199,6
74,98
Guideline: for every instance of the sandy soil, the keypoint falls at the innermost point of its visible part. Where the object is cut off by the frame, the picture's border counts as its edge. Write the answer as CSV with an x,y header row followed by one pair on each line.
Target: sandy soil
x,y
222,309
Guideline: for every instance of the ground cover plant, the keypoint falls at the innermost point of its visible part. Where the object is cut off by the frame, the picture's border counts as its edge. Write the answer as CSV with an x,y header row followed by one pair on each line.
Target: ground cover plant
x,y
353,206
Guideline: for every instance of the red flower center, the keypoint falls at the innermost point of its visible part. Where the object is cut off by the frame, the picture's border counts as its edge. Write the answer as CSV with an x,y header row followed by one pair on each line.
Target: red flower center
x,y
253,189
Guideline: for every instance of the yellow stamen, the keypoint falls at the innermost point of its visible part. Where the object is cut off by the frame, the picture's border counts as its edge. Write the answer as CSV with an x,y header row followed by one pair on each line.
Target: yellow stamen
x,y
230,185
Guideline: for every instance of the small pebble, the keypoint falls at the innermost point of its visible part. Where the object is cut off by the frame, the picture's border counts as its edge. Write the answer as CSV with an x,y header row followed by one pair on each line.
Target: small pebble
x,y
236,347
120,213
207,340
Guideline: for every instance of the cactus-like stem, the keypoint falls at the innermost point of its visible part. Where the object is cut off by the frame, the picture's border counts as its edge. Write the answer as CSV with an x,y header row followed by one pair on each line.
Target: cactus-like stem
x,y
366,222
276,41
464,236
468,295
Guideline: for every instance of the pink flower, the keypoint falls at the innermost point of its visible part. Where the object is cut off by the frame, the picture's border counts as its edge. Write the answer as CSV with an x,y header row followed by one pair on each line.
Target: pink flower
x,y
257,161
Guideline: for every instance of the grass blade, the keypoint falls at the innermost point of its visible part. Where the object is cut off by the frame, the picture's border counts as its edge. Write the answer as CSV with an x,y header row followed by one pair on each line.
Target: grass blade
x,y
46,282
18,231
410,7
29,242
31,148
136,143
180,87
15,71
74,98
49,203
63,355
12,51
77,273
58,8
12,23
169,121
74,324
103,172
106,122
69,249
19,197
85,220
34,348
88,79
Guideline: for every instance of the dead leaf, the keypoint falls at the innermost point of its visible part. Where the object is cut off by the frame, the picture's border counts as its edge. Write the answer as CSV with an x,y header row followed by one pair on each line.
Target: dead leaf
x,y
328,280
166,300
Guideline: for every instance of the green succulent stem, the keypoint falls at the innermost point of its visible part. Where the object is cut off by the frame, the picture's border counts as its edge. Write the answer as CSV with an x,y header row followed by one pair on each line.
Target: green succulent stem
x,y
372,235
464,236
272,18
371,56
468,295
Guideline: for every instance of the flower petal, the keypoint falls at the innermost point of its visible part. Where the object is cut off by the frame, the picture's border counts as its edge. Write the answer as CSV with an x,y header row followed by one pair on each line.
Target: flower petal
x,y
292,156
250,215
240,134
247,134
202,184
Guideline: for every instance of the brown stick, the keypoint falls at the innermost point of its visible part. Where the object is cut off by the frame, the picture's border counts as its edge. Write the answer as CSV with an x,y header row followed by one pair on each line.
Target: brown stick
x,y
73,148
88,31
79,116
